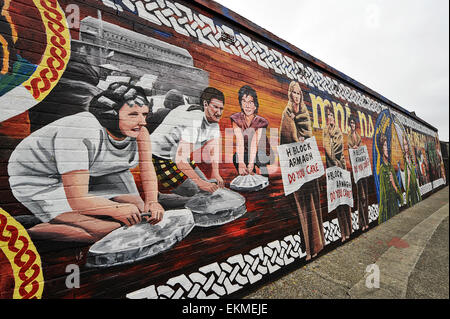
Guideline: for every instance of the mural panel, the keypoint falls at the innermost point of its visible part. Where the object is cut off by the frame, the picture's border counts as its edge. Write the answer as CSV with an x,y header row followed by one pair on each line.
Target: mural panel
x,y
166,153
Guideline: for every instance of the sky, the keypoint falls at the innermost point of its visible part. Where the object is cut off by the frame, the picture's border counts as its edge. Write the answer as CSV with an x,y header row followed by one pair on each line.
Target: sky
x,y
399,49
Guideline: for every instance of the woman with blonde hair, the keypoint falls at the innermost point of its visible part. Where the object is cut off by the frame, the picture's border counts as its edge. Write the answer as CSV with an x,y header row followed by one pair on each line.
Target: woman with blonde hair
x,y
296,127
295,120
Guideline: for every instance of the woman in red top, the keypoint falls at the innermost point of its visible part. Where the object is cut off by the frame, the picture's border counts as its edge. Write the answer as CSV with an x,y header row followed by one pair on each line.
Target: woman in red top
x,y
253,149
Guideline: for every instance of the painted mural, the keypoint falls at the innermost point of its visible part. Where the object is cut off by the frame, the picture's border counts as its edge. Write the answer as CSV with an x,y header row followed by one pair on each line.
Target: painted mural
x,y
165,153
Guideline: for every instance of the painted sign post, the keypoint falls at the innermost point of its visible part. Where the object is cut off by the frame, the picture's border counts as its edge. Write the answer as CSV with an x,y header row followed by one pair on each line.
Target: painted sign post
x,y
300,163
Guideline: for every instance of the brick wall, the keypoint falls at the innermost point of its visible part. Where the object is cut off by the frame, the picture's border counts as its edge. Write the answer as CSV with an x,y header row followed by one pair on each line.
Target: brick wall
x,y
91,90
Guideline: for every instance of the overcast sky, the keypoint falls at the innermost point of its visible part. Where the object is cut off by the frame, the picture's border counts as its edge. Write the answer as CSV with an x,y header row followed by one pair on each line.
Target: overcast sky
x,y
398,48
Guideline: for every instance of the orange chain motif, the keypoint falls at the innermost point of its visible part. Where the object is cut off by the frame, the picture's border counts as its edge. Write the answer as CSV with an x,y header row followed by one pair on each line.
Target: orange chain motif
x,y
57,52
25,261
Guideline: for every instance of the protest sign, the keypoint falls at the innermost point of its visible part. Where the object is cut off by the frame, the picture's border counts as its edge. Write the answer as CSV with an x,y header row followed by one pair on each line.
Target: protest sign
x,y
360,160
339,188
300,163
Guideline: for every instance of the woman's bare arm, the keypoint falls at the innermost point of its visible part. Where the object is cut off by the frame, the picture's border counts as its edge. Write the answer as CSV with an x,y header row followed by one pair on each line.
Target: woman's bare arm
x,y
240,149
148,176
253,150
76,187
215,157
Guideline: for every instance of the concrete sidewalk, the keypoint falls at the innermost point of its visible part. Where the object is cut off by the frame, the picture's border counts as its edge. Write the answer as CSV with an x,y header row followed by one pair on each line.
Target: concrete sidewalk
x,y
411,251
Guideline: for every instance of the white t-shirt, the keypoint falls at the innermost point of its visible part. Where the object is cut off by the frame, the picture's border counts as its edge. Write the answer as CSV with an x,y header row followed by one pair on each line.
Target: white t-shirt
x,y
181,124
76,142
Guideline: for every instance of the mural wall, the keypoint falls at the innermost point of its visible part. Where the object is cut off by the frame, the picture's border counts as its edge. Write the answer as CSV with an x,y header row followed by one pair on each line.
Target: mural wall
x,y
164,151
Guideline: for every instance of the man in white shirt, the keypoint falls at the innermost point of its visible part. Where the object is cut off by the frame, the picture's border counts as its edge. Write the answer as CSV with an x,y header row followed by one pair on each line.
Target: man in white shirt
x,y
185,129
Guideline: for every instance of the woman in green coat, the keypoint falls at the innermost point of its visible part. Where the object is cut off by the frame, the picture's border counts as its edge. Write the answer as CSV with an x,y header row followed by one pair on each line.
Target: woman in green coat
x,y
390,192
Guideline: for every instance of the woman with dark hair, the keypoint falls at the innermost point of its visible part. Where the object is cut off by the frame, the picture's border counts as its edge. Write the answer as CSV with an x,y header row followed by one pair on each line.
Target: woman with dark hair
x,y
252,146
74,173
390,194
333,143
355,141
296,127
184,130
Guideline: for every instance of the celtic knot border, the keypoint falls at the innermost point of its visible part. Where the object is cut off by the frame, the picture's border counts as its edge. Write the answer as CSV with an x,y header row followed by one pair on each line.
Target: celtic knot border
x,y
16,244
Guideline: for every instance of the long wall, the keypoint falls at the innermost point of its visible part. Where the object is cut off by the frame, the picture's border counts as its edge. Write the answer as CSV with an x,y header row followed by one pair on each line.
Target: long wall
x,y
173,149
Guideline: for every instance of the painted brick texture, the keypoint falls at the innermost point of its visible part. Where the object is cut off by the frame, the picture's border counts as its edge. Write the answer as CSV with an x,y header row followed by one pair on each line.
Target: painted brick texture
x,y
170,149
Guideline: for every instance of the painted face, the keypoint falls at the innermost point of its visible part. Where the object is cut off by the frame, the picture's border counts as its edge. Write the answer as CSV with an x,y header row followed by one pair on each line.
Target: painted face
x,y
132,119
385,149
405,145
330,118
248,105
296,94
213,110
352,125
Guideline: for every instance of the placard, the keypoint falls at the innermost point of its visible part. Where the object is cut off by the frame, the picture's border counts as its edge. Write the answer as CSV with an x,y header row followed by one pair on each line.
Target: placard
x,y
339,188
360,160
300,163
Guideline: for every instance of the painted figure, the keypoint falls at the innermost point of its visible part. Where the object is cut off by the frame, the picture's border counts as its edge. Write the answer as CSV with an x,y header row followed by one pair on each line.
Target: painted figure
x,y
333,143
441,162
414,156
411,186
400,175
249,129
296,127
390,193
74,173
424,167
433,160
355,141
182,131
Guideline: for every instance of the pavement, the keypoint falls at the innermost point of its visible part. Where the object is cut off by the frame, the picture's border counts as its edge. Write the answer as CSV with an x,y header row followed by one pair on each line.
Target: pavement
x,y
406,257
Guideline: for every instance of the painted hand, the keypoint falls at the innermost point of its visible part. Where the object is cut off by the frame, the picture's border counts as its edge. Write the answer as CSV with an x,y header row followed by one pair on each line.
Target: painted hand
x,y
219,180
127,214
242,169
207,186
156,211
